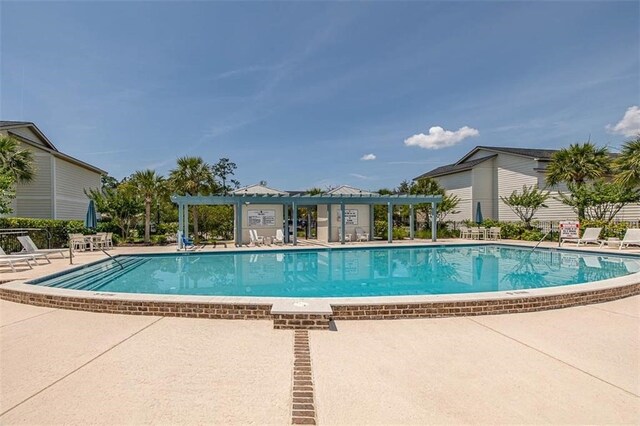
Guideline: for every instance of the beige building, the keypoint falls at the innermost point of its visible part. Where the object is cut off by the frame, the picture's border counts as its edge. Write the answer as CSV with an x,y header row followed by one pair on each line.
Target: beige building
x,y
57,191
487,173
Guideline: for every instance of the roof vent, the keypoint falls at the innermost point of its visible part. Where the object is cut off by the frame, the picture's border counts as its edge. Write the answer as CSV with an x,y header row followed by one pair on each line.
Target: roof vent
x,y
263,183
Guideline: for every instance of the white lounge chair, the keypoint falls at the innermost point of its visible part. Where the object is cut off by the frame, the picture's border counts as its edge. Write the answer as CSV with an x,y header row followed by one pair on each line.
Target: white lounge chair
x,y
30,256
591,235
30,247
361,235
12,260
255,239
279,238
632,236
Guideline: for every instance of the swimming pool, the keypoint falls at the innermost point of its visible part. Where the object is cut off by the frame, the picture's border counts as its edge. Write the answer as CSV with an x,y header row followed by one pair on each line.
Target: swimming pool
x,y
352,272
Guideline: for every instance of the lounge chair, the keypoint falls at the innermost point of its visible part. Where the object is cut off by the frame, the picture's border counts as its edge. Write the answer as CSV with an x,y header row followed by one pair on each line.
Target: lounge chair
x,y
591,235
632,236
361,235
12,260
187,243
255,239
30,256
279,238
30,247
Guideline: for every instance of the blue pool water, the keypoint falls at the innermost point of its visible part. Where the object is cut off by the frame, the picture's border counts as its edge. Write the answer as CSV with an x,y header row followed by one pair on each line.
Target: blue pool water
x,y
347,272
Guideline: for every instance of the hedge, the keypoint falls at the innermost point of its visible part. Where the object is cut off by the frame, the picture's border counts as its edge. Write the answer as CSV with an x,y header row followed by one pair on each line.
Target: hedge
x,y
55,234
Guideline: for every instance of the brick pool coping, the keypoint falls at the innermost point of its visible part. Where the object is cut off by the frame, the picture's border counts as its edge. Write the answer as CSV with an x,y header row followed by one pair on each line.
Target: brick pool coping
x,y
355,308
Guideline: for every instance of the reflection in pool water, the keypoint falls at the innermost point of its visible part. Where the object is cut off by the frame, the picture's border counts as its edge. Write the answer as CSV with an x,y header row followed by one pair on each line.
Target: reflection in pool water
x,y
349,272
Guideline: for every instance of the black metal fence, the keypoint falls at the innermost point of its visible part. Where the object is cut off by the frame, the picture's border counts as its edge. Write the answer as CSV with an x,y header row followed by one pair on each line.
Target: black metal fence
x,y
9,242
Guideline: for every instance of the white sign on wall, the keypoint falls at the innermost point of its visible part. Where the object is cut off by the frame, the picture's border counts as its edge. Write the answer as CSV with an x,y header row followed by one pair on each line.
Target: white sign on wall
x,y
261,217
569,229
350,217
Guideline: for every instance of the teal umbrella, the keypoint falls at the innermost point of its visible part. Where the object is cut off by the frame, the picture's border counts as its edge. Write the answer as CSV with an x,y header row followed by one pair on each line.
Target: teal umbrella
x,y
91,220
479,218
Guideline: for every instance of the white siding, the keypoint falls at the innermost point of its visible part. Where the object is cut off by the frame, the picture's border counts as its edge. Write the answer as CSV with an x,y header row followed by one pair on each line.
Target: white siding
x,y
513,172
480,154
27,133
483,189
459,184
33,199
70,183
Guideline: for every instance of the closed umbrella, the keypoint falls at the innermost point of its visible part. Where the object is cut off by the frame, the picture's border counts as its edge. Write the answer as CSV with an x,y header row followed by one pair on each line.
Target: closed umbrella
x,y
91,220
479,218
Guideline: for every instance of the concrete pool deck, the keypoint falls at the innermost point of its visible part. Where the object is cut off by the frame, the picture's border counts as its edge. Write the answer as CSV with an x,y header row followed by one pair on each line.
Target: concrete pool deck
x,y
575,365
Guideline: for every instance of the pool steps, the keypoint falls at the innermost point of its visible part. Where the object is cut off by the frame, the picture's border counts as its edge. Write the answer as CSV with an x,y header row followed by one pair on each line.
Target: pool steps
x,y
85,279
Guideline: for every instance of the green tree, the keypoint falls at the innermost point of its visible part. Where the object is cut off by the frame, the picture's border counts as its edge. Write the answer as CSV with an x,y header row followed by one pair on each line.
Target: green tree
x,y
600,200
525,204
315,191
193,176
224,169
16,161
429,186
122,204
108,181
149,186
7,192
577,165
627,165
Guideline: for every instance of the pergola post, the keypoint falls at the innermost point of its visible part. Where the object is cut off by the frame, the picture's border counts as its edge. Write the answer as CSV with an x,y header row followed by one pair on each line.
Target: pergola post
x,y
186,221
286,223
389,222
342,223
294,213
434,222
238,224
329,221
308,222
411,222
372,217
180,225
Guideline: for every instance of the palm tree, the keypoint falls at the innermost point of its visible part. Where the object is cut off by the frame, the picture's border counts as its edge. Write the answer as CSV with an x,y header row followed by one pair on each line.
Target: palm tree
x,y
628,164
149,185
192,176
15,161
578,164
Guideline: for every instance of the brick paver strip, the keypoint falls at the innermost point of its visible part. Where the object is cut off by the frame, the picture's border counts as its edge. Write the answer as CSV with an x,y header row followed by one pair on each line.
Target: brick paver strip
x,y
303,410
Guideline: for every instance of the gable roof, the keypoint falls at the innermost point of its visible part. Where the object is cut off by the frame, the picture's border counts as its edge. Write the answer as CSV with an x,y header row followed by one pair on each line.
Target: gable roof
x,y
46,143
540,154
455,167
258,189
348,190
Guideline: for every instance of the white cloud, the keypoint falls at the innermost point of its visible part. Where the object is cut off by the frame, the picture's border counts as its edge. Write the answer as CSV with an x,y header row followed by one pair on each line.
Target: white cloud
x,y
440,138
368,157
630,123
359,176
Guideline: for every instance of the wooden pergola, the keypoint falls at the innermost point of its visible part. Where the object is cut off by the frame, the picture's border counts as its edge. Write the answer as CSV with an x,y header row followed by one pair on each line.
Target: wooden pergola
x,y
295,201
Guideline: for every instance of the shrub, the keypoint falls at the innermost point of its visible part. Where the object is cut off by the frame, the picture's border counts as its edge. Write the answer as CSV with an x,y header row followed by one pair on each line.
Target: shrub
x,y
610,229
158,239
55,234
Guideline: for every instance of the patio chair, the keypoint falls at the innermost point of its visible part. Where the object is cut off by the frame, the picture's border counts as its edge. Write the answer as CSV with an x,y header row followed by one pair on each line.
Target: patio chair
x,y
31,256
347,237
108,241
465,232
591,235
30,247
77,242
474,233
279,238
361,235
632,236
495,233
255,239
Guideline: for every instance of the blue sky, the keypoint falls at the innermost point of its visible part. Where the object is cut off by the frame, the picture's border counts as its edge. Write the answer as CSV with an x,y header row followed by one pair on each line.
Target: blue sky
x,y
298,93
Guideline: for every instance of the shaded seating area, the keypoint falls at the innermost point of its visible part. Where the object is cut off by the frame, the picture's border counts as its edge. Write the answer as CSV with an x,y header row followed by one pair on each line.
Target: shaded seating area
x,y
481,233
91,242
268,212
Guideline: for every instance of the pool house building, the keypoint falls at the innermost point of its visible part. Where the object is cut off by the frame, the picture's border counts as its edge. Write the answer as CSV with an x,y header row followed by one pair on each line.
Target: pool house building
x,y
341,213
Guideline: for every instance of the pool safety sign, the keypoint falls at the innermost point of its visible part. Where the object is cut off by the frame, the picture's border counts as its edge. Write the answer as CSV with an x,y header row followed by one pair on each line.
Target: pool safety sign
x,y
569,229
261,217
350,217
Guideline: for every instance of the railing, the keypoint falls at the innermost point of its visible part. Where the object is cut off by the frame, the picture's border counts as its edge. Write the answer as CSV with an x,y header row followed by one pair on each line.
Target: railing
x,y
9,238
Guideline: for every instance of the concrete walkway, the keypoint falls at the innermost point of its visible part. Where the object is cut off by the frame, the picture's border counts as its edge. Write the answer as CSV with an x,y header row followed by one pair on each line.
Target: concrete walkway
x,y
577,365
